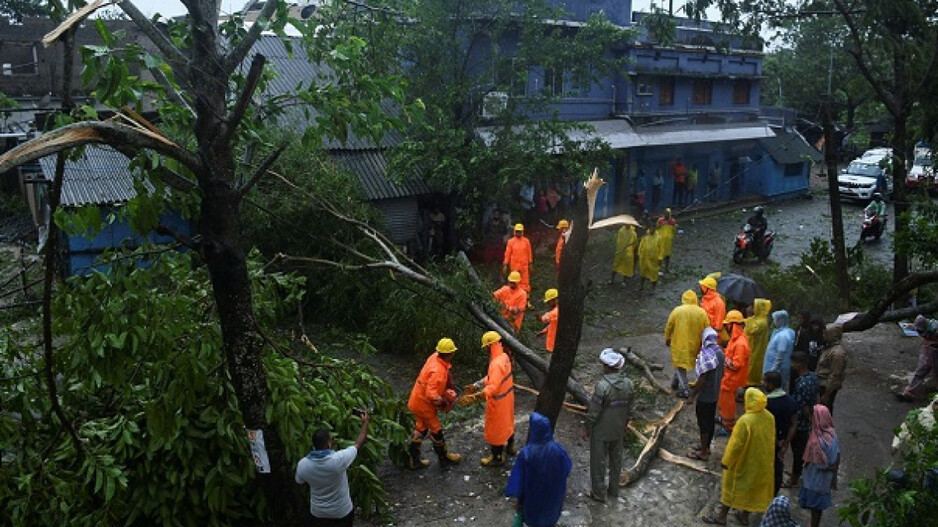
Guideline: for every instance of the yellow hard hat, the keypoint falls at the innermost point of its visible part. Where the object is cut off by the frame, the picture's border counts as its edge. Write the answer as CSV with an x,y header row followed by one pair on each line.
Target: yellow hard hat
x,y
446,346
563,224
489,338
709,282
519,227
550,294
514,276
734,317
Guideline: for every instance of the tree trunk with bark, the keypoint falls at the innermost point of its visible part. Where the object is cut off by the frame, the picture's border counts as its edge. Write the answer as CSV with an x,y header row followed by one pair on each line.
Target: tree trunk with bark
x,y
571,295
837,219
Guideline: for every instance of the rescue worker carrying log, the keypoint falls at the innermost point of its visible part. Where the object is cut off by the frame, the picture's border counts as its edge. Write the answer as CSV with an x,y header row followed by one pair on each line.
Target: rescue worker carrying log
x,y
497,389
513,299
434,391
519,257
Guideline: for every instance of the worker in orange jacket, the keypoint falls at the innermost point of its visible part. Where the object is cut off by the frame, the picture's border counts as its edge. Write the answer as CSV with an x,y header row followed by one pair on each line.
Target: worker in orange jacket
x,y
497,389
513,299
735,369
519,257
434,391
550,318
713,304
563,226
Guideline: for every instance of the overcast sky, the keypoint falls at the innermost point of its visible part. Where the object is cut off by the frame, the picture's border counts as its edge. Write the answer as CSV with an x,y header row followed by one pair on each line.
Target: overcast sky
x,y
174,7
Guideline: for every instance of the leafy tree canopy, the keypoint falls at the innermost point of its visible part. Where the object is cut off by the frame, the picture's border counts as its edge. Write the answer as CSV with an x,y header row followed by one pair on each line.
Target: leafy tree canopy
x,y
17,10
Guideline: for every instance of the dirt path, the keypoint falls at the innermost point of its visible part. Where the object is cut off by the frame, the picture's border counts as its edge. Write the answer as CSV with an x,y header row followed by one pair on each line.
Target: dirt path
x,y
619,316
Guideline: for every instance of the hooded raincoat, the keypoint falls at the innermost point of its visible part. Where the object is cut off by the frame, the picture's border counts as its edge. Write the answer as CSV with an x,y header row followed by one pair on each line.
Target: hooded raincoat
x,y
735,372
758,331
648,257
518,257
781,344
514,301
666,228
626,242
539,477
499,393
715,307
551,318
683,329
748,481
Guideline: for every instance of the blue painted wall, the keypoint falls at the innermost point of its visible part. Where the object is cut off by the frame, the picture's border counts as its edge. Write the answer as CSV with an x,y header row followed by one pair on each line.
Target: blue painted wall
x,y
618,12
82,253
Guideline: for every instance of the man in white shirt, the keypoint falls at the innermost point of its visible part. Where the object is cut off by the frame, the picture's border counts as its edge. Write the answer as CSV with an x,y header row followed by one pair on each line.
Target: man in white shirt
x,y
324,470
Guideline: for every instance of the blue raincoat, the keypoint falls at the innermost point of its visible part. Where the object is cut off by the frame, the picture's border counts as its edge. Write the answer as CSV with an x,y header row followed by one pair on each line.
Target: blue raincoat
x,y
781,344
539,477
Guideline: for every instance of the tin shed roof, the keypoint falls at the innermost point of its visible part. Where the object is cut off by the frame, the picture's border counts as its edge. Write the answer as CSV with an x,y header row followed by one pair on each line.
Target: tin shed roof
x,y
100,176
789,147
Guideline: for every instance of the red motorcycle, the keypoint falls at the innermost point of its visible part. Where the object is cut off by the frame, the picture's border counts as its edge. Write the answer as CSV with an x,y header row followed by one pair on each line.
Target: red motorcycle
x,y
745,246
873,226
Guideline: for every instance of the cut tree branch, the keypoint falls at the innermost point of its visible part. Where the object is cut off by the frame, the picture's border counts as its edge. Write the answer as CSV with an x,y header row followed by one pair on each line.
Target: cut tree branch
x,y
879,312
170,52
247,93
236,55
262,170
97,132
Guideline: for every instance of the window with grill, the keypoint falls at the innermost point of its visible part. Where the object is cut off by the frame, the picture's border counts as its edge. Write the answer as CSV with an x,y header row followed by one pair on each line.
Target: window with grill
x,y
18,58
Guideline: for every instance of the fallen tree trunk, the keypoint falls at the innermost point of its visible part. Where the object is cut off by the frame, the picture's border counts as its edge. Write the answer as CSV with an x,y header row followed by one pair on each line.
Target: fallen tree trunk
x,y
878,313
631,474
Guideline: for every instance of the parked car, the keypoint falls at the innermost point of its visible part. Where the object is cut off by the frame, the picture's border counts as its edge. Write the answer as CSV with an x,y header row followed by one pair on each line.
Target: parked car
x,y
922,172
859,180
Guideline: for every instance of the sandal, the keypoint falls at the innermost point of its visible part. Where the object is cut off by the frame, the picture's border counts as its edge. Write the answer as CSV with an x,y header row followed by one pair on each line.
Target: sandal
x,y
712,520
697,454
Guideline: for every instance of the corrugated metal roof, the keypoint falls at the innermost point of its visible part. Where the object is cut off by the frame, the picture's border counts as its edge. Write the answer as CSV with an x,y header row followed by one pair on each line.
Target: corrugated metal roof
x,y
789,147
371,168
618,133
101,176
294,72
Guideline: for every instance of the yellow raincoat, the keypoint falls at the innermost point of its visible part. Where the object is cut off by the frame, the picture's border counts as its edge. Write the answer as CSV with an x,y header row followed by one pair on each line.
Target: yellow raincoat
x,y
648,257
666,228
758,330
626,241
748,480
685,325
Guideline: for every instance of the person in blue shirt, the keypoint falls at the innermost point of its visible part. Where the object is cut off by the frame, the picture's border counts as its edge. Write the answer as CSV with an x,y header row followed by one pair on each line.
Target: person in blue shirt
x,y
538,479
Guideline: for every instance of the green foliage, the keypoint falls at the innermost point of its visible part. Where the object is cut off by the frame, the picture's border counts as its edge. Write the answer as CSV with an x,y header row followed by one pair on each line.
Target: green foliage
x,y
877,501
142,379
812,286
661,27
921,240
19,9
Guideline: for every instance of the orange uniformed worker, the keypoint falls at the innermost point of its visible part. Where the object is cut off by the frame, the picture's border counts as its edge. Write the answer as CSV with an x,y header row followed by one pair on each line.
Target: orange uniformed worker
x,y
563,226
433,392
519,257
714,305
735,368
550,318
497,388
514,300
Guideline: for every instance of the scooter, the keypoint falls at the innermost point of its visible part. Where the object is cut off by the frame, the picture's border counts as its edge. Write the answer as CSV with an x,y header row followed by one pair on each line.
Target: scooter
x,y
873,226
745,249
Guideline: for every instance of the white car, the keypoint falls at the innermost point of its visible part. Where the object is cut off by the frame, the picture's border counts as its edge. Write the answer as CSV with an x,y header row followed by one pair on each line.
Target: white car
x,y
922,172
858,180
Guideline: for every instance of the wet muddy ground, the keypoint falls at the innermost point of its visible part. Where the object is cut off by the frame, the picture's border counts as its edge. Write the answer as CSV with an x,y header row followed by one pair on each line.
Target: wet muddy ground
x,y
620,316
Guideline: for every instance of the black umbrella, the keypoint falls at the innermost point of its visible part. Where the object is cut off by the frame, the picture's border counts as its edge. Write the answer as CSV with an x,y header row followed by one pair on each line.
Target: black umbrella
x,y
739,288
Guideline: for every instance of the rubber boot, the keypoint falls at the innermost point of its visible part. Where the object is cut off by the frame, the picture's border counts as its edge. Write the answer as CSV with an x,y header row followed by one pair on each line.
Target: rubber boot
x,y
439,446
510,447
414,461
496,458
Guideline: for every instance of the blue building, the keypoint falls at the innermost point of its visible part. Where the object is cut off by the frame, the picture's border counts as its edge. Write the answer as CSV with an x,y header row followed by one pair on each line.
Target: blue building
x,y
693,103
102,178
